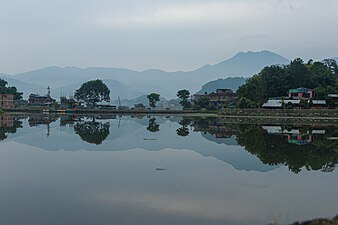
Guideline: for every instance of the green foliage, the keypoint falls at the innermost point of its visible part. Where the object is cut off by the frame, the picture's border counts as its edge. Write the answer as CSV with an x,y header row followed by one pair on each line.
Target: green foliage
x,y
275,81
184,96
4,89
153,99
204,102
92,132
93,92
245,103
252,90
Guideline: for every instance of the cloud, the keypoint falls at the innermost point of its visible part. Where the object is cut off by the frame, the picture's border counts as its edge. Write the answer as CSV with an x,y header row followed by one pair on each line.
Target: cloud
x,y
188,13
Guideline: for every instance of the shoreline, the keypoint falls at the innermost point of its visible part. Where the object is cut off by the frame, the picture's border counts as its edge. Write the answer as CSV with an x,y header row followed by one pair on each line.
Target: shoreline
x,y
320,114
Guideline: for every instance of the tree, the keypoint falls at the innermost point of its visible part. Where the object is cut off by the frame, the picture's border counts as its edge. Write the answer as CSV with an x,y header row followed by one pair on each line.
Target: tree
x,y
321,75
93,92
203,102
184,96
153,99
4,89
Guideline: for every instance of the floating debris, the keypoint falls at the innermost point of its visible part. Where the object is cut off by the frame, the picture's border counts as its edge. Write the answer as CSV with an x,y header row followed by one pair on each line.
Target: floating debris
x,y
150,139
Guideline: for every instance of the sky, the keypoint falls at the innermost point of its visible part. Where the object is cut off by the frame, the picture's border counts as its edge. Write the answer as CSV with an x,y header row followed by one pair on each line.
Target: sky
x,y
163,34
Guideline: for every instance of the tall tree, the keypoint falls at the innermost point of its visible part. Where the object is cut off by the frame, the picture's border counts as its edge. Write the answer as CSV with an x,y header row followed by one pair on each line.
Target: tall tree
x,y
93,92
184,96
153,99
297,74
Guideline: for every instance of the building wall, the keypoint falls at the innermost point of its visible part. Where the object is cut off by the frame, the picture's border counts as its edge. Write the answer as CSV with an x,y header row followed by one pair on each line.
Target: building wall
x,y
6,101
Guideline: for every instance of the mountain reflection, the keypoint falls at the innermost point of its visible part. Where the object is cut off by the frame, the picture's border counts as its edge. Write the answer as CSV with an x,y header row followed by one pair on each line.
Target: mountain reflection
x,y
310,147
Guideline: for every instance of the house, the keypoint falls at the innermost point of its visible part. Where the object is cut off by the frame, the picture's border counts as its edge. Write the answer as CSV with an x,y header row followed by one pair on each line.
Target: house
x,y
221,98
6,101
301,93
105,106
317,104
38,100
69,103
279,103
273,104
333,99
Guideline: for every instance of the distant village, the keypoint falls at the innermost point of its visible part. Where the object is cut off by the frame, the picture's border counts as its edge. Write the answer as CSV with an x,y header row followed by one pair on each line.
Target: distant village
x,y
299,98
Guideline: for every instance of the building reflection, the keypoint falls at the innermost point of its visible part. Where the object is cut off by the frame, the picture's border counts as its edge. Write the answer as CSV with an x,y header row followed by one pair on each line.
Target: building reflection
x,y
8,125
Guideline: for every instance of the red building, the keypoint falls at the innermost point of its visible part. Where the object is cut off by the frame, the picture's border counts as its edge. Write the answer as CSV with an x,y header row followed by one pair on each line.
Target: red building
x,y
301,93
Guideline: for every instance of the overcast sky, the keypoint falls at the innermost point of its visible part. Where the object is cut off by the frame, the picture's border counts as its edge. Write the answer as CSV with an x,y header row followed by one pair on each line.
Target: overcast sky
x,y
165,34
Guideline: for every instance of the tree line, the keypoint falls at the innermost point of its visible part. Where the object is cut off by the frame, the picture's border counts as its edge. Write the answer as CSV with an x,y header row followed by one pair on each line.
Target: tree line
x,y
276,80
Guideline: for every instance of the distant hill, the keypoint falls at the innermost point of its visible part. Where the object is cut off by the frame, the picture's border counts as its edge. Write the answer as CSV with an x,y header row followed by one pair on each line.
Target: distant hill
x,y
154,80
231,83
140,99
243,64
116,89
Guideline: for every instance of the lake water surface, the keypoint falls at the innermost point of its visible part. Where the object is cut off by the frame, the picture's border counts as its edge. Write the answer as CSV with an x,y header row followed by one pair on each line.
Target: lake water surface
x,y
164,170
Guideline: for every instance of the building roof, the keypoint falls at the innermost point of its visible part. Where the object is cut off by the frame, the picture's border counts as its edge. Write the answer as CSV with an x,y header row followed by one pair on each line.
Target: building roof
x,y
300,90
292,101
318,102
272,104
333,95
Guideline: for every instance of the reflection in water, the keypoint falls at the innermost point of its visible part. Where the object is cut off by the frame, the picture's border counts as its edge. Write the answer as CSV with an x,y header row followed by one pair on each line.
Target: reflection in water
x,y
296,147
296,150
214,175
183,131
153,126
8,124
92,132
311,147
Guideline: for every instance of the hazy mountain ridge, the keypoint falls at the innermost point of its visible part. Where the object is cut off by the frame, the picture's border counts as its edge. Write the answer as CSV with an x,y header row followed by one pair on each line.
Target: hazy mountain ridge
x,y
231,83
152,80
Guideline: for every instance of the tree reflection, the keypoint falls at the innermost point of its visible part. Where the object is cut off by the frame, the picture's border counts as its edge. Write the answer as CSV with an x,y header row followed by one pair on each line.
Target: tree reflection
x,y
153,126
92,132
299,147
322,154
8,125
183,131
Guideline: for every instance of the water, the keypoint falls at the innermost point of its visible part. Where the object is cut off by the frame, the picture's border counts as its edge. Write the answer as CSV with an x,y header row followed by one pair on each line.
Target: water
x,y
164,170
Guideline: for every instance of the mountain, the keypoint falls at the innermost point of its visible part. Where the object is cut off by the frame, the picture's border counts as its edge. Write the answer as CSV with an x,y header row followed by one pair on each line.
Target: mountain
x,y
231,83
116,89
141,99
154,80
243,64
